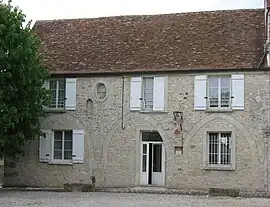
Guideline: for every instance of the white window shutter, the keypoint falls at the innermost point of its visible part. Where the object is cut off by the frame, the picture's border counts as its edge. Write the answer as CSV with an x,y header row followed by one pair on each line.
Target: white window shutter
x,y
238,92
78,146
135,93
159,94
45,145
200,92
70,94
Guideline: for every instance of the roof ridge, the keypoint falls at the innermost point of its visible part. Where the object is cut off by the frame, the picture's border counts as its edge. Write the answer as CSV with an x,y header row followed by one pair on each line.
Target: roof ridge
x,y
147,15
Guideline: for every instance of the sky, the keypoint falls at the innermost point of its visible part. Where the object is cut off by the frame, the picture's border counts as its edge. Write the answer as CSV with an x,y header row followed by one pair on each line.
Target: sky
x,y
66,9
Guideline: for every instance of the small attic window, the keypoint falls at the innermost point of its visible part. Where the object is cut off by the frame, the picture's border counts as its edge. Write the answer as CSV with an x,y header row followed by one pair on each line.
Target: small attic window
x,y
101,91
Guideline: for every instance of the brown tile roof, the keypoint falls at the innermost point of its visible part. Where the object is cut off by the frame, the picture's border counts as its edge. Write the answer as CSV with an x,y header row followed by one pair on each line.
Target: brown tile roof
x,y
185,41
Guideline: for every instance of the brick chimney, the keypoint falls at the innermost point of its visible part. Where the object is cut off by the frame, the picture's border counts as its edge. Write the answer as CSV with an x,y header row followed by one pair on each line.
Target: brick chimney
x,y
267,4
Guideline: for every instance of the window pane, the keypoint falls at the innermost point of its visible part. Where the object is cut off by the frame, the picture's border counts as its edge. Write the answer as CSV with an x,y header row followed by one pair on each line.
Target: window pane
x,y
62,84
53,99
57,154
144,163
68,135
213,148
225,92
58,145
101,91
148,92
68,155
157,157
225,148
144,148
68,145
213,92
58,135
61,98
53,84
58,141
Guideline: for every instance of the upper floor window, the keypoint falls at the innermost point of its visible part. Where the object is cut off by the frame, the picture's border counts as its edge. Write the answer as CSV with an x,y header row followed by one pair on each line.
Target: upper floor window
x,y
219,92
58,93
148,94
63,93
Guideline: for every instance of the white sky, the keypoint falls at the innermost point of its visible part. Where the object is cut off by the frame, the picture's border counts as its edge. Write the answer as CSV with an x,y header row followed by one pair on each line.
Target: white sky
x,y
59,9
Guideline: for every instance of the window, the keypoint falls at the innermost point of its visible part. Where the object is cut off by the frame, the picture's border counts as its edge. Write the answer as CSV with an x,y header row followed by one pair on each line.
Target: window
x,y
219,92
62,143
58,93
219,149
61,146
101,91
148,93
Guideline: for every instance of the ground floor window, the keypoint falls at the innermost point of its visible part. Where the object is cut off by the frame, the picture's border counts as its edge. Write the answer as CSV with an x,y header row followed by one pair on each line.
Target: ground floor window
x,y
62,148
219,145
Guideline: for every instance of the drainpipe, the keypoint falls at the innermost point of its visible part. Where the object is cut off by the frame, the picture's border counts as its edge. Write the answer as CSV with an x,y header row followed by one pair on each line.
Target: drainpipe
x,y
266,133
123,101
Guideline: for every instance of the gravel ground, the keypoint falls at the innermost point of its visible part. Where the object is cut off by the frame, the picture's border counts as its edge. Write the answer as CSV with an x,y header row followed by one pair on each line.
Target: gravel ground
x,y
42,199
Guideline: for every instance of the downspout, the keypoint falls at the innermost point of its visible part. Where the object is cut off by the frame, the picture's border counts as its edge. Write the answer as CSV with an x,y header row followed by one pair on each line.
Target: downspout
x,y
123,97
266,132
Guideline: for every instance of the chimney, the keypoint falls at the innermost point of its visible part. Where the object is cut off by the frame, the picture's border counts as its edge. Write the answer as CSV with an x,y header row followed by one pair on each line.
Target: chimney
x,y
267,31
267,4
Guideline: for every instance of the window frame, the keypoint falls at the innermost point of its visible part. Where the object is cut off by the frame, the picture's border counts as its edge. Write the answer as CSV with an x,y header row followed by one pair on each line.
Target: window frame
x,y
95,88
143,108
209,166
219,108
57,93
61,161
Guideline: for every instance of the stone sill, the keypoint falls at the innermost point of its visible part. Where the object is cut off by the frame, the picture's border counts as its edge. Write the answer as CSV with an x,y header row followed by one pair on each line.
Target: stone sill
x,y
218,110
54,110
150,112
60,163
219,168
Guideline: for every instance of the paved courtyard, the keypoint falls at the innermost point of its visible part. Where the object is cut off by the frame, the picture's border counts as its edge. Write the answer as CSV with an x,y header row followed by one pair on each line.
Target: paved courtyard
x,y
42,199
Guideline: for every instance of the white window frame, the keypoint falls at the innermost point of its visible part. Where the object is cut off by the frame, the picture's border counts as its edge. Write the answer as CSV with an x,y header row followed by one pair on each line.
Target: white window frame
x,y
209,166
219,108
142,92
57,94
61,161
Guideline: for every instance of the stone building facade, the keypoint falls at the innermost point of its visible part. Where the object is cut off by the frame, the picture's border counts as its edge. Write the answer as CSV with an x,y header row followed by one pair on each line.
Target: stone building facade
x,y
201,127
112,142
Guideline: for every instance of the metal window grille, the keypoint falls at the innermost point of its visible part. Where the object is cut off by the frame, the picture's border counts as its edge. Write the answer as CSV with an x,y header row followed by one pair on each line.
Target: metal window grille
x,y
219,92
219,148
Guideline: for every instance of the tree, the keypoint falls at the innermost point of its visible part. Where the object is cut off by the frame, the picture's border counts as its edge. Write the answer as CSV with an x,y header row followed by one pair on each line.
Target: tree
x,y
22,75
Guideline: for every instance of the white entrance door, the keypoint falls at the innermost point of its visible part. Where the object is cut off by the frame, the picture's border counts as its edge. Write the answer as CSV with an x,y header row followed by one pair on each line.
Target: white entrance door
x,y
152,163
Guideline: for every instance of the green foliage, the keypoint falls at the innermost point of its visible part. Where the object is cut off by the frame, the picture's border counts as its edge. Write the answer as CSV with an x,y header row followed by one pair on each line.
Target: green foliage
x,y
21,78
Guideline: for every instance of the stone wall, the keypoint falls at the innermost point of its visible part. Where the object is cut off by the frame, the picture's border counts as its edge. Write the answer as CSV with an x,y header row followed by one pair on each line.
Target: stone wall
x,y
112,143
